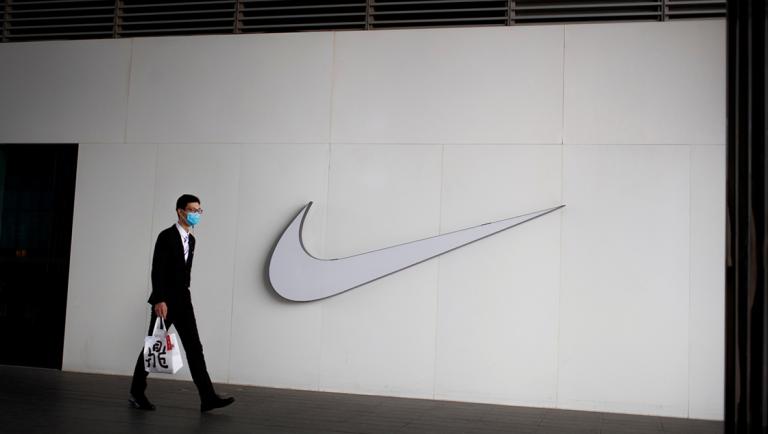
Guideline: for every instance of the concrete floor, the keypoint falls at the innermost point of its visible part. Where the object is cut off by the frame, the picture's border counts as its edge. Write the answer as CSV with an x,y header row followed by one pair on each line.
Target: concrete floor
x,y
49,401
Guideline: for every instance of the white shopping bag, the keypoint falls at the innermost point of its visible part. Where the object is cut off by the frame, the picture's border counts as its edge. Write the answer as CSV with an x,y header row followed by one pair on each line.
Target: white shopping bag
x,y
161,350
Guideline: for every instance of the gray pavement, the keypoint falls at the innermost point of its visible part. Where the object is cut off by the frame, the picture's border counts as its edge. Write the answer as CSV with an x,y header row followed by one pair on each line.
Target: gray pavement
x,y
50,401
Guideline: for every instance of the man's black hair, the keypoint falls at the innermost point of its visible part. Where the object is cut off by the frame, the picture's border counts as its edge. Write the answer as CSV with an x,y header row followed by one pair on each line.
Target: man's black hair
x,y
186,199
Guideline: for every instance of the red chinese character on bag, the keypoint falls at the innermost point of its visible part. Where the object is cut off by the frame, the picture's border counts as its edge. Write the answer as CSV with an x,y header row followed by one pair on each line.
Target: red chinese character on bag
x,y
168,343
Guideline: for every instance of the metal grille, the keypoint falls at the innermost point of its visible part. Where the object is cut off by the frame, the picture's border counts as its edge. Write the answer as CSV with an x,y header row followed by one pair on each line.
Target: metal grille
x,y
24,20
694,9
296,15
538,11
434,13
63,19
174,17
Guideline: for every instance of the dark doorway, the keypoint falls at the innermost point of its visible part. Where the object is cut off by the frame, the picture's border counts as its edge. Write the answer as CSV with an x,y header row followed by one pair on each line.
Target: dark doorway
x,y
37,191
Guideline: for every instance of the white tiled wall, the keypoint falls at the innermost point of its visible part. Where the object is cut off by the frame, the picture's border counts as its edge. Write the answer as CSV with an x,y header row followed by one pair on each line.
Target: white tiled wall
x,y
225,89
273,342
500,85
111,252
613,303
645,83
624,302
498,298
380,338
59,92
706,368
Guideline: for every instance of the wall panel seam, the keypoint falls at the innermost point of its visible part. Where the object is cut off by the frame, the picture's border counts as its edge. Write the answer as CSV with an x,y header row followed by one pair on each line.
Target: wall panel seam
x,y
324,239
148,314
333,87
562,99
128,93
234,263
609,144
560,280
690,277
414,144
436,323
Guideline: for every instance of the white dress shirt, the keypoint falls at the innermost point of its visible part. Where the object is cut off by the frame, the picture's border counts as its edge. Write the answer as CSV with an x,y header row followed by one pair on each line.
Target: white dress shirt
x,y
184,239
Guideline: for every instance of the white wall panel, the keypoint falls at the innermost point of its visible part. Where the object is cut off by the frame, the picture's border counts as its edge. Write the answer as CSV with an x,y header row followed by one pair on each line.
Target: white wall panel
x,y
498,298
707,302
625,289
210,172
231,89
500,85
64,91
645,83
613,303
275,342
379,338
110,256
382,195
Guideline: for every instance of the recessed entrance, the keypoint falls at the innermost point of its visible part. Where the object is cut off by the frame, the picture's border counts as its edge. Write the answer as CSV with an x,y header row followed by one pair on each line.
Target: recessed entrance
x,y
37,190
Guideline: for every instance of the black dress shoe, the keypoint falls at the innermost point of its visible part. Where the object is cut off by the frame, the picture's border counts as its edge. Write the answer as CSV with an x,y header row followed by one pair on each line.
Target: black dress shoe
x,y
141,402
215,402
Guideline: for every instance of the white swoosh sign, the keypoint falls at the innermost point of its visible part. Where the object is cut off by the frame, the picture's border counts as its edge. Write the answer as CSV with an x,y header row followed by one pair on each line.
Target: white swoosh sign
x,y
298,276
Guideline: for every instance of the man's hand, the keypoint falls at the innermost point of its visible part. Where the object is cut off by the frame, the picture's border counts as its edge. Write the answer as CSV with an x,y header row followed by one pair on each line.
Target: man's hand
x,y
161,309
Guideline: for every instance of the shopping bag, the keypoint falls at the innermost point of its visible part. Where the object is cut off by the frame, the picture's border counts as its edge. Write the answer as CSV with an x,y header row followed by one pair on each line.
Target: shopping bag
x,y
161,350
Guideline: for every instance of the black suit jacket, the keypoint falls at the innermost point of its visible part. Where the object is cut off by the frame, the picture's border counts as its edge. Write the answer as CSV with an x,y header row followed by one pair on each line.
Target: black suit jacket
x,y
170,273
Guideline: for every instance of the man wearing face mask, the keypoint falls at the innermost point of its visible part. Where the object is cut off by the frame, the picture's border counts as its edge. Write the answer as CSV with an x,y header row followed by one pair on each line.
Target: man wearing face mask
x,y
171,300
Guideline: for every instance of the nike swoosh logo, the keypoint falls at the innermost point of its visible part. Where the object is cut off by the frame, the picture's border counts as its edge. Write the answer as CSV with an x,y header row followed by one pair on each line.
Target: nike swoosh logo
x,y
298,276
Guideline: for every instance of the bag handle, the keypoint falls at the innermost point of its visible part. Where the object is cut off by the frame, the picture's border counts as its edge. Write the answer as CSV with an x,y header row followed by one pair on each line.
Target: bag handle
x,y
159,327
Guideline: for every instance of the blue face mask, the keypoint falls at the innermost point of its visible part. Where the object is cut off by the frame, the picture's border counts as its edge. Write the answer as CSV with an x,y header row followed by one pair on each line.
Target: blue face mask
x,y
193,218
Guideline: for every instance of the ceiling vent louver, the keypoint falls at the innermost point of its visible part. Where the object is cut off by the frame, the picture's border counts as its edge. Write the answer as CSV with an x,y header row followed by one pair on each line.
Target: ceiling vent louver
x,y
297,15
175,17
62,19
26,20
694,9
548,11
438,13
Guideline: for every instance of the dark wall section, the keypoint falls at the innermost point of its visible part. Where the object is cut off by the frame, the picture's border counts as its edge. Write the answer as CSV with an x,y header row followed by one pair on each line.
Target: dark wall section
x,y
746,376
37,189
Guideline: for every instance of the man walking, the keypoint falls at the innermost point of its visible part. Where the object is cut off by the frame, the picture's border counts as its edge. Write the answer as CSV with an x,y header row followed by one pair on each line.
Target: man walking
x,y
172,301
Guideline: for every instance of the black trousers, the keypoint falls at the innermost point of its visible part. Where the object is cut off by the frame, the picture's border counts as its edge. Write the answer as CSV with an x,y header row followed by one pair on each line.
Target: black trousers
x,y
182,316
